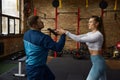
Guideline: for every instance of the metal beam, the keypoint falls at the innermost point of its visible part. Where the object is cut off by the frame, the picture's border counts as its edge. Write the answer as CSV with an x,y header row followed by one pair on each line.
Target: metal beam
x,y
111,10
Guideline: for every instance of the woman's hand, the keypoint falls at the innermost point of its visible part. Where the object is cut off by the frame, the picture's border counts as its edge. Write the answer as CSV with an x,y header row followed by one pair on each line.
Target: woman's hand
x,y
60,31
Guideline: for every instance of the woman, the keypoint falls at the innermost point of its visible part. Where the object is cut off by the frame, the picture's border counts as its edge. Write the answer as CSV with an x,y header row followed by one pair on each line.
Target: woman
x,y
94,41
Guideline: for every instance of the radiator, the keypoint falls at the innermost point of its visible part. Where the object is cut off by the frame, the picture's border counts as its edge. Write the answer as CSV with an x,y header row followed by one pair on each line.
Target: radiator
x,y
1,48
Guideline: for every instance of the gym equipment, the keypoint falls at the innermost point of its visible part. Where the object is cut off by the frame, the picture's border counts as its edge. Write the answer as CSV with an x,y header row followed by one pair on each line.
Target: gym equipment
x,y
78,27
115,13
116,53
118,45
67,12
52,31
112,52
108,53
19,74
27,9
59,54
115,7
78,20
60,3
87,3
55,3
109,10
82,52
56,22
79,45
103,4
17,55
35,11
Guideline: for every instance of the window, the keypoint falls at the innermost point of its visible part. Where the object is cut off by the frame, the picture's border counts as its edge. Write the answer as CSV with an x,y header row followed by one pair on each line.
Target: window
x,y
10,19
10,7
17,28
4,25
11,26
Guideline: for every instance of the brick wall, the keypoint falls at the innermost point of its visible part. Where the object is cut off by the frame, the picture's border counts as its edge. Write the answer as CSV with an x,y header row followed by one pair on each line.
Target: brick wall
x,y
69,21
11,45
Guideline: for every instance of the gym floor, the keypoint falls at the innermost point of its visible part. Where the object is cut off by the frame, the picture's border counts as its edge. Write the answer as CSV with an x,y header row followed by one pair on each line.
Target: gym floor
x,y
67,68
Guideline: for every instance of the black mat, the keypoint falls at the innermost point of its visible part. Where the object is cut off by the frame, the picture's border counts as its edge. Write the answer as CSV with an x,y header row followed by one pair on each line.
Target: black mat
x,y
9,75
65,68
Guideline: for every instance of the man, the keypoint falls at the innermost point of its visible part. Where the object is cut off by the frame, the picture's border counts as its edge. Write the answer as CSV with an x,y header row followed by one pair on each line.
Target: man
x,y
37,45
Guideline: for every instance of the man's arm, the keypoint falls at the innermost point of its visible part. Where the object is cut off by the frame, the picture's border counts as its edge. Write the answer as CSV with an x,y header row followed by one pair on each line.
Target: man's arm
x,y
56,46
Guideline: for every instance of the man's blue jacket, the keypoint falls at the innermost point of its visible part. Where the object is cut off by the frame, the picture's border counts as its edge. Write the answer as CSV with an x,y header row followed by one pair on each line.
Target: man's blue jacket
x,y
37,45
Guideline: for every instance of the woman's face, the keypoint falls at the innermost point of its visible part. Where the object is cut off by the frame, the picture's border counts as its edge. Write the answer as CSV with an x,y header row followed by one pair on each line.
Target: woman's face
x,y
92,24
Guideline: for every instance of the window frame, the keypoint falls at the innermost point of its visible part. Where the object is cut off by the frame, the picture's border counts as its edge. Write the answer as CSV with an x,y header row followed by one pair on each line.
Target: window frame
x,y
10,17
